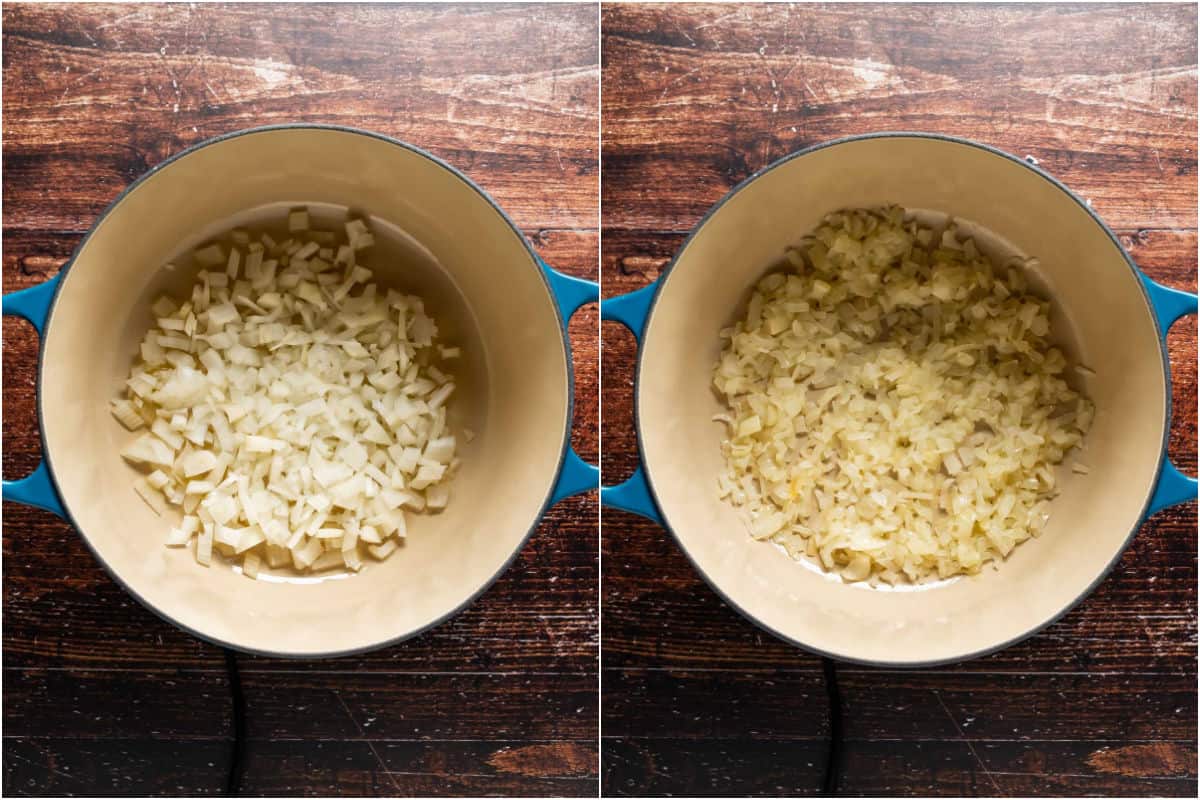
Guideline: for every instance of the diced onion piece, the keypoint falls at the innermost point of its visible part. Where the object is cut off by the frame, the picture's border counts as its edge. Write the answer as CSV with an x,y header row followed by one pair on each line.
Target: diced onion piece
x,y
360,237
437,496
328,560
350,538
263,444
306,251
163,307
204,545
251,565
382,551
427,475
152,496
179,537
439,397
149,449
198,462
127,415
440,450
163,430
210,256
308,552
158,479
249,537
278,556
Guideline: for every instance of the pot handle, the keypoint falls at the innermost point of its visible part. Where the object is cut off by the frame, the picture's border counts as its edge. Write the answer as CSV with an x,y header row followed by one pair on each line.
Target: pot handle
x,y
35,489
577,476
1169,305
633,495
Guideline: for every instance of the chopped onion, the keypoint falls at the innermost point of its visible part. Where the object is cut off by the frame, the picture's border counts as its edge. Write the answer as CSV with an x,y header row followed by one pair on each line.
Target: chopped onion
x,y
293,412
895,404
127,415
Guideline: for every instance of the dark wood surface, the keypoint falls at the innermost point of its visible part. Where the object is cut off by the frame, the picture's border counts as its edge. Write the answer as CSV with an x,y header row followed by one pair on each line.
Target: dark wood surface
x,y
100,696
697,701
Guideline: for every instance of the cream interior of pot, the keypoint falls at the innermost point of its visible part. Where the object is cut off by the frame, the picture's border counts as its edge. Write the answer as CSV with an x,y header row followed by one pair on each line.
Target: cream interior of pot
x,y
1102,316
437,237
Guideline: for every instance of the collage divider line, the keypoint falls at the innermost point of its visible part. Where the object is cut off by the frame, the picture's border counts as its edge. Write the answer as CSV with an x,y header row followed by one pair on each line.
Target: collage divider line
x,y
600,400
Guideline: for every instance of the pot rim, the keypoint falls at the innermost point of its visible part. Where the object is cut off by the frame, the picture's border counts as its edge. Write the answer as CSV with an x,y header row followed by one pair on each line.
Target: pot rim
x,y
660,285
534,263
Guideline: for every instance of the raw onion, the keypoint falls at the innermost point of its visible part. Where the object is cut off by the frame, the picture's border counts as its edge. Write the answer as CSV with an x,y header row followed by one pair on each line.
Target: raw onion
x,y
294,412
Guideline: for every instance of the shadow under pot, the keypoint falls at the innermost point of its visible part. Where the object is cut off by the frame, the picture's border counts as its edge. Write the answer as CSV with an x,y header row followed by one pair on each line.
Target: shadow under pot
x,y
1113,318
439,236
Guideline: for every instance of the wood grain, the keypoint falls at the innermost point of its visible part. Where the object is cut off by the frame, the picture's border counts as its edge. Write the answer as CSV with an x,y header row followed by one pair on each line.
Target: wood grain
x,y
102,697
61,767
698,701
707,96
719,768
329,768
645,767
355,768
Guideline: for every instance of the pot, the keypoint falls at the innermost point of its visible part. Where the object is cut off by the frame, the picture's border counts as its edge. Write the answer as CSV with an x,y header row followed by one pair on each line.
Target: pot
x,y
1108,315
438,235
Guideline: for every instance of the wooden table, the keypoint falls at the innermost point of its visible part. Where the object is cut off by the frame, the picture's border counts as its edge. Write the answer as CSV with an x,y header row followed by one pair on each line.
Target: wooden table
x,y
696,700
100,696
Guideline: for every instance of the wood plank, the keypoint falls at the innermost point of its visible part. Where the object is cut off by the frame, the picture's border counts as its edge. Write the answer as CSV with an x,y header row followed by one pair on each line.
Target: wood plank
x,y
507,94
916,705
696,629
1018,769
415,769
114,704
898,705
283,705
648,767
354,768
540,615
421,706
706,704
40,767
696,100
